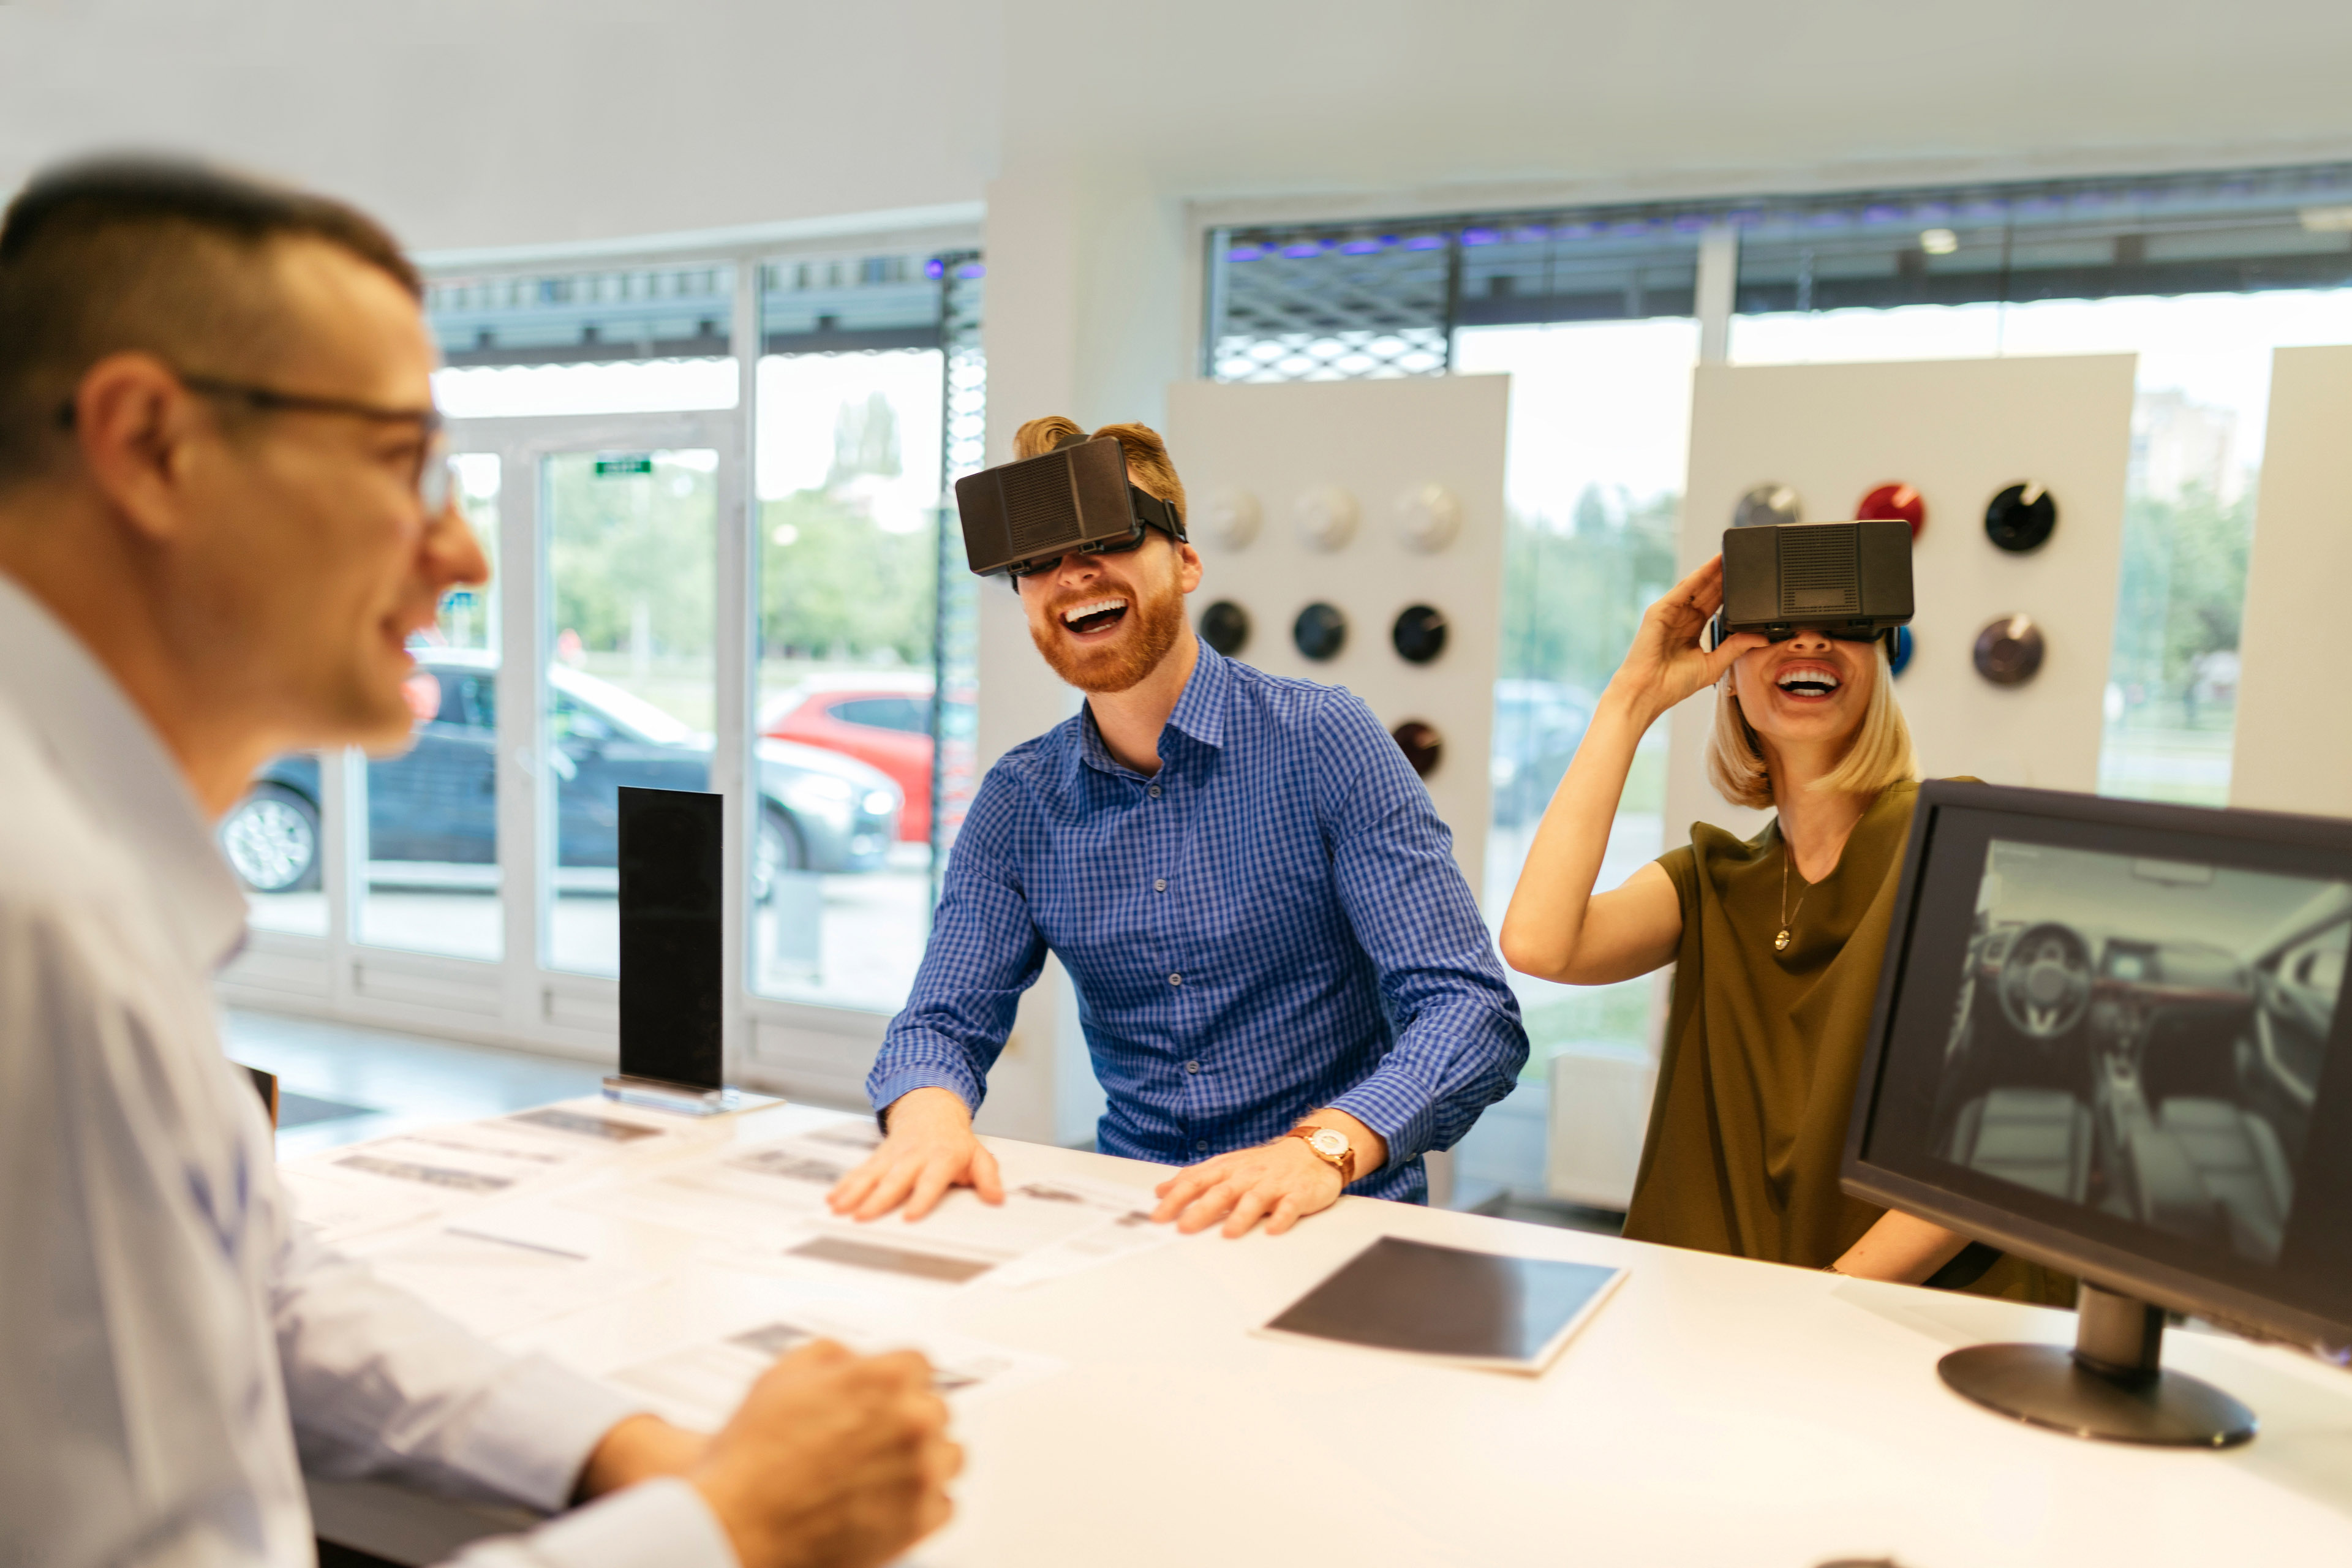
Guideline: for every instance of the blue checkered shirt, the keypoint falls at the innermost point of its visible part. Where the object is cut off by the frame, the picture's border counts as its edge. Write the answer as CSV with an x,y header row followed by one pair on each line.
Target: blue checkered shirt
x,y
1271,925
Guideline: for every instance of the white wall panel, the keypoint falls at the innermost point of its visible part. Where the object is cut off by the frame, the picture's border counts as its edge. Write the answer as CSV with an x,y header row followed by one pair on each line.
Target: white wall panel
x,y
1958,430
1377,441
2293,747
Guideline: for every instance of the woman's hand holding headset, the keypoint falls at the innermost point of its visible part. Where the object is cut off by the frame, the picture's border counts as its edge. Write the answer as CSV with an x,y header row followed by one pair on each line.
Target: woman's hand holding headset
x,y
1667,662
1558,927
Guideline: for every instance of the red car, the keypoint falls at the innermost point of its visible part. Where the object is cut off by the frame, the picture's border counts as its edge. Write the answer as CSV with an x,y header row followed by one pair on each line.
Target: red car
x,y
881,719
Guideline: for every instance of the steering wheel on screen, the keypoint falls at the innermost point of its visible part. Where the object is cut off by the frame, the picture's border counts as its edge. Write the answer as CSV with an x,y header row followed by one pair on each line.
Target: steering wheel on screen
x,y
2045,981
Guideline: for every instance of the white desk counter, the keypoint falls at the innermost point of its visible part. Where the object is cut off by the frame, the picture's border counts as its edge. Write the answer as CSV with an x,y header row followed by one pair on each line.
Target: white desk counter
x,y
1715,1412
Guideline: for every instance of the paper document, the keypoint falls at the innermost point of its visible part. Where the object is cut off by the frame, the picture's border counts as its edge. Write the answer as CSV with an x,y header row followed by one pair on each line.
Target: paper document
x,y
771,1198
1044,1229
700,1385
339,1208
495,1285
366,1187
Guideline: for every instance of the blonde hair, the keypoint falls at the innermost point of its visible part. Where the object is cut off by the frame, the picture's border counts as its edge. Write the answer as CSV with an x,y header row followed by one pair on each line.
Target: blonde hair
x,y
1880,754
1148,464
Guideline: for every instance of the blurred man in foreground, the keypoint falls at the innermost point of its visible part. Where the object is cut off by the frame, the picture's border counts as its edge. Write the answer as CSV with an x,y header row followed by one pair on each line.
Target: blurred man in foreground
x,y
224,510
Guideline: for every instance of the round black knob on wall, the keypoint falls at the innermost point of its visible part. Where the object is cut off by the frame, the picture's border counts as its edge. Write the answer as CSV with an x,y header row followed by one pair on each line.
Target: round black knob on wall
x,y
1226,627
2022,518
1419,633
1320,631
1422,746
2009,650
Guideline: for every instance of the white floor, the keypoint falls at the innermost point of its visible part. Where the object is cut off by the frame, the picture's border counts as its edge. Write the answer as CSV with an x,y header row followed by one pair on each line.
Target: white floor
x,y
844,941
393,1080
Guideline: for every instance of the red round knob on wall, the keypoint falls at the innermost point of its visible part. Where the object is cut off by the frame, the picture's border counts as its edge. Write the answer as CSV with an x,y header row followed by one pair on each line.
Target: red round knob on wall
x,y
1895,502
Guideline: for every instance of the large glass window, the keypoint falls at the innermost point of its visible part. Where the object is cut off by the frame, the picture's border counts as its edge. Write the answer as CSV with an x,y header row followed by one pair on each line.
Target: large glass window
x,y
854,453
432,868
1600,431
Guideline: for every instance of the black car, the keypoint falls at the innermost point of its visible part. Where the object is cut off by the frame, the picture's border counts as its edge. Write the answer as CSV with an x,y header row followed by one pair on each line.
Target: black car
x,y
434,807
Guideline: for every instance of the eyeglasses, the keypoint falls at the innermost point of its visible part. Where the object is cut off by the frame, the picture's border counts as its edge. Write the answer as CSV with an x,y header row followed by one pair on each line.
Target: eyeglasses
x,y
435,471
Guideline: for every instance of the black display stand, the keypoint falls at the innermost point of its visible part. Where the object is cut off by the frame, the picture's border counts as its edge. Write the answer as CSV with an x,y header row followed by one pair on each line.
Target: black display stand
x,y
673,955
2109,1385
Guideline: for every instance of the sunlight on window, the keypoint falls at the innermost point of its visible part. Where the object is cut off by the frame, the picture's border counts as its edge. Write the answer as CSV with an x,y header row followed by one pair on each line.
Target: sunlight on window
x,y
626,386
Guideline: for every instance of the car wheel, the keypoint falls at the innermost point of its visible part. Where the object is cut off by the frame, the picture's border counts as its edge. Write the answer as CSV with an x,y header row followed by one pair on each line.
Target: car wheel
x,y
271,839
779,849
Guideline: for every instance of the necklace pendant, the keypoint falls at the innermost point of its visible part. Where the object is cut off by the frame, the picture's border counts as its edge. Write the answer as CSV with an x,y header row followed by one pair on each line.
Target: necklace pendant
x,y
1781,942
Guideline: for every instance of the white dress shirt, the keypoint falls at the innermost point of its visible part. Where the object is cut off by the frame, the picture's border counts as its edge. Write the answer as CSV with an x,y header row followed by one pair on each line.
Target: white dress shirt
x,y
174,1349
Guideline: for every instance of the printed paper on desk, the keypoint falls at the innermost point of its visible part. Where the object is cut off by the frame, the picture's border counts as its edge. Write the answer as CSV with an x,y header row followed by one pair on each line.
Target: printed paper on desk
x,y
495,1285
339,1208
700,1385
760,1198
594,1121
1042,1230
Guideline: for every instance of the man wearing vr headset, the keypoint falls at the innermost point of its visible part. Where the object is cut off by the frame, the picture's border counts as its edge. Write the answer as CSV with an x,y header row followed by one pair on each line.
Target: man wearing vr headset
x,y
1284,979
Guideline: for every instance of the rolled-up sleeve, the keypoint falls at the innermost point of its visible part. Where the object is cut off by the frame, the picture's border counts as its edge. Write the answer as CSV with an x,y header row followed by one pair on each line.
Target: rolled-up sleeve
x,y
985,949
1459,1045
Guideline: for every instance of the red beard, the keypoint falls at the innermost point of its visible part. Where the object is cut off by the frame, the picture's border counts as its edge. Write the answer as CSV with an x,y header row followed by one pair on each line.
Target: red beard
x,y
1151,627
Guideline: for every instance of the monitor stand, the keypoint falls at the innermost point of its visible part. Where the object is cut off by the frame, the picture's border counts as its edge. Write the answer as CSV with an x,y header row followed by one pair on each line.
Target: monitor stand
x,y
2108,1386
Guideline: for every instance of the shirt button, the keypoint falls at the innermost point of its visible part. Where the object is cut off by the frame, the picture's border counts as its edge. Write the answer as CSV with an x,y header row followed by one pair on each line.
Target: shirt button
x,y
1175,980
1155,792
1192,1067
1159,884
1200,1146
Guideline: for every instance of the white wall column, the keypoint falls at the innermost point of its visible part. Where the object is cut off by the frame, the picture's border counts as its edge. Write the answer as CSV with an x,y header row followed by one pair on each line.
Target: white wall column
x,y
1083,318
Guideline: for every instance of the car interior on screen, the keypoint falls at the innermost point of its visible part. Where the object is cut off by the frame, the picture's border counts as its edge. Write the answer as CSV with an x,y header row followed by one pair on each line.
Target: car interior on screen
x,y
2144,1036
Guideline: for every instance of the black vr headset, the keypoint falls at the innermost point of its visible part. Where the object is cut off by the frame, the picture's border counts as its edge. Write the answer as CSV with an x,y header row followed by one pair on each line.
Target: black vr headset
x,y
1851,581
1020,518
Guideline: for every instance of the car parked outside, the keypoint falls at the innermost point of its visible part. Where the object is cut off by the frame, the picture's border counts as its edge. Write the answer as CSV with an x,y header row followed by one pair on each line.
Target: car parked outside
x,y
880,718
437,803
1539,724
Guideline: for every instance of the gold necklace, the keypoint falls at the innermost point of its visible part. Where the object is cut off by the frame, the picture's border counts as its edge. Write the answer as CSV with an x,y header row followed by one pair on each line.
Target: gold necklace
x,y
1781,942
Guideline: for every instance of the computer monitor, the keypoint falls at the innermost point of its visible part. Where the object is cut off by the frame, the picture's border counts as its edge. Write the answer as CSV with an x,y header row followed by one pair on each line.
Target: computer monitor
x,y
2108,1039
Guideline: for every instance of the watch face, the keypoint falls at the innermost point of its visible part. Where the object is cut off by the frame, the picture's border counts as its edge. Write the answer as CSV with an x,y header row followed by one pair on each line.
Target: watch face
x,y
1329,1143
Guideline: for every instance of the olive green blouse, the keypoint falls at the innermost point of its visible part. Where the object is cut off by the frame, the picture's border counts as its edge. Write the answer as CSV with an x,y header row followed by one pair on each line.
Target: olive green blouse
x,y
1763,1049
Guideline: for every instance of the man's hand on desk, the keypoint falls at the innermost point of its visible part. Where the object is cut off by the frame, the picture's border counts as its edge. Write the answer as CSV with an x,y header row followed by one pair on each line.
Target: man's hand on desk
x,y
931,1147
831,1459
1281,1183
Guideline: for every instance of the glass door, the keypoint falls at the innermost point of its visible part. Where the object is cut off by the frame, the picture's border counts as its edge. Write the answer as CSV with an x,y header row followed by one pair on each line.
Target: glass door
x,y
630,694
431,880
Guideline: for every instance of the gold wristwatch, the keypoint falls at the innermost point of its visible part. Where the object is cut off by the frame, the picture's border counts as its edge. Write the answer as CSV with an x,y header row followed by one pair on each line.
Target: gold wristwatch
x,y
1330,1146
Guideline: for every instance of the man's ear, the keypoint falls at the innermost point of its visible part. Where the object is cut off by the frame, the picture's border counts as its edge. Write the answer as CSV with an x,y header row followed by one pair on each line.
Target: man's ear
x,y
134,426
1188,567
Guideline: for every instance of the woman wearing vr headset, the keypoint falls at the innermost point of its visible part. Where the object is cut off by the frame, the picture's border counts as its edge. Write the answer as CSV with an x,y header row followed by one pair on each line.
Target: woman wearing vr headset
x,y
1776,942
